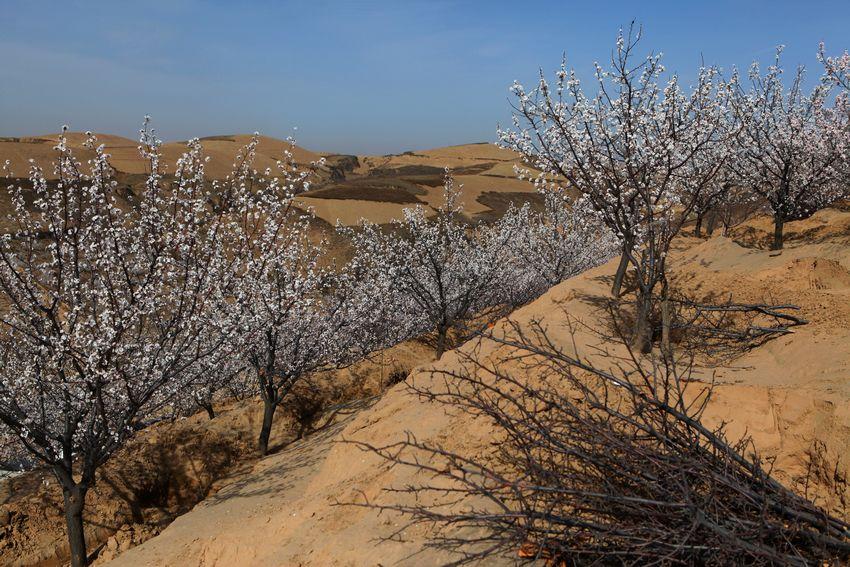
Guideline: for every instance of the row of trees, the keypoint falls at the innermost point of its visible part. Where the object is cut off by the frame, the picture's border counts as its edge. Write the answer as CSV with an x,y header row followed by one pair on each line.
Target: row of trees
x,y
119,310
442,274
648,155
606,459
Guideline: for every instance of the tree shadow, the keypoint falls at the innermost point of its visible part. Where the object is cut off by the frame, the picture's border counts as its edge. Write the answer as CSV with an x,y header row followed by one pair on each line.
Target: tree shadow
x,y
281,470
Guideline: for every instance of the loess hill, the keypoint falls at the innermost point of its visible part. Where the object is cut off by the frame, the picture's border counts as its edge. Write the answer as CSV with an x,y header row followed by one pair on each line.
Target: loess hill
x,y
345,189
192,493
791,394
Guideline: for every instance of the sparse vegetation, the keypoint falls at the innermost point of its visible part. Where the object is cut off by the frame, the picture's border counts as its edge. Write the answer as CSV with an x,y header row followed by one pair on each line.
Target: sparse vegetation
x,y
364,192
591,466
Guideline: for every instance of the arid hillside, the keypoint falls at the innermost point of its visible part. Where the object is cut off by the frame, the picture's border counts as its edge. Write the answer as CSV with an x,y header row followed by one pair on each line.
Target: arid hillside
x,y
345,188
193,490
125,158
172,465
790,394
593,312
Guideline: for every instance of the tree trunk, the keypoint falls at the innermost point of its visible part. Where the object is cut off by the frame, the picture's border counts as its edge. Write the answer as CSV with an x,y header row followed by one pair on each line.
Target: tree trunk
x,y
210,410
698,227
269,408
442,331
666,348
621,272
712,223
778,225
75,500
642,339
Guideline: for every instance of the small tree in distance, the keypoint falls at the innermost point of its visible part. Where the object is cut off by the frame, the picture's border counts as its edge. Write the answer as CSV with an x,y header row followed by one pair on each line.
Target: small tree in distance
x,y
547,247
104,304
440,270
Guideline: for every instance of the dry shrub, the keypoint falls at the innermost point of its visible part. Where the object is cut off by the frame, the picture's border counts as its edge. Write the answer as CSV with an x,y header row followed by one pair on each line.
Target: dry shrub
x,y
596,467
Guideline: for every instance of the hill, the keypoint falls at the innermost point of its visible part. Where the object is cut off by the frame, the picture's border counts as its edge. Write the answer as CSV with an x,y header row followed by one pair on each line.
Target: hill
x,y
789,394
345,189
125,156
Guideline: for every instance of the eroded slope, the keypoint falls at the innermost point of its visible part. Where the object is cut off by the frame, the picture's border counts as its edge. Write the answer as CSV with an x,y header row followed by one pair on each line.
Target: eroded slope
x,y
788,394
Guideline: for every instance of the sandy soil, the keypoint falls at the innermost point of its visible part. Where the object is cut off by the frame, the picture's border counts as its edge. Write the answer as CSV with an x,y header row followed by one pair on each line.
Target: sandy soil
x,y
787,394
285,509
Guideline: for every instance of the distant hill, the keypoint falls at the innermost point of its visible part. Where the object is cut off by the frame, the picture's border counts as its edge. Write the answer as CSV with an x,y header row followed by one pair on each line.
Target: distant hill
x,y
347,187
125,153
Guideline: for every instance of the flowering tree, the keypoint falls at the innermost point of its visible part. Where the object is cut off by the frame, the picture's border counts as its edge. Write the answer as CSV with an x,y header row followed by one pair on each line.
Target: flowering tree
x,y
837,68
639,152
220,376
790,146
103,307
708,201
440,270
732,205
547,247
296,315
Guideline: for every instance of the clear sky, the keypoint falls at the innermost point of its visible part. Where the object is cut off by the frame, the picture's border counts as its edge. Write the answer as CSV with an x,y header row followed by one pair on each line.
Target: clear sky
x,y
356,76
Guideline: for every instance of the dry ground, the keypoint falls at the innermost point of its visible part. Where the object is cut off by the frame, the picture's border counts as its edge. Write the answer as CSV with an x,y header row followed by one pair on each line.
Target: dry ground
x,y
171,466
788,394
282,510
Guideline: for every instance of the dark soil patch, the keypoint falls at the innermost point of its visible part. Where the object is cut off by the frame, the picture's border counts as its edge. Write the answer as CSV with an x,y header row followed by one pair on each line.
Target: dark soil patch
x,y
372,188
429,174
476,169
498,202
24,140
378,193
218,139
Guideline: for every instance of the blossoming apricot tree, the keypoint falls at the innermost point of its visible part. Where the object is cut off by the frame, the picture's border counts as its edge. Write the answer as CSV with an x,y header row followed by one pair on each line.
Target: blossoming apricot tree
x,y
104,303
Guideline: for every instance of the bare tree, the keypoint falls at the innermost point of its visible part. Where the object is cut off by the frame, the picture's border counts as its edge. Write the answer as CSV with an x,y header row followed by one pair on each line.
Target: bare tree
x,y
589,466
103,307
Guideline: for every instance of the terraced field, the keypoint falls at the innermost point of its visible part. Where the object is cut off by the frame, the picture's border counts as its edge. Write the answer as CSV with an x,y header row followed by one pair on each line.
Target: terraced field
x,y
345,189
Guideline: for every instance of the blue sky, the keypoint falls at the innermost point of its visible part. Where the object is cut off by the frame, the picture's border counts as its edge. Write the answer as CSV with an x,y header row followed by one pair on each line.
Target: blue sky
x,y
355,77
